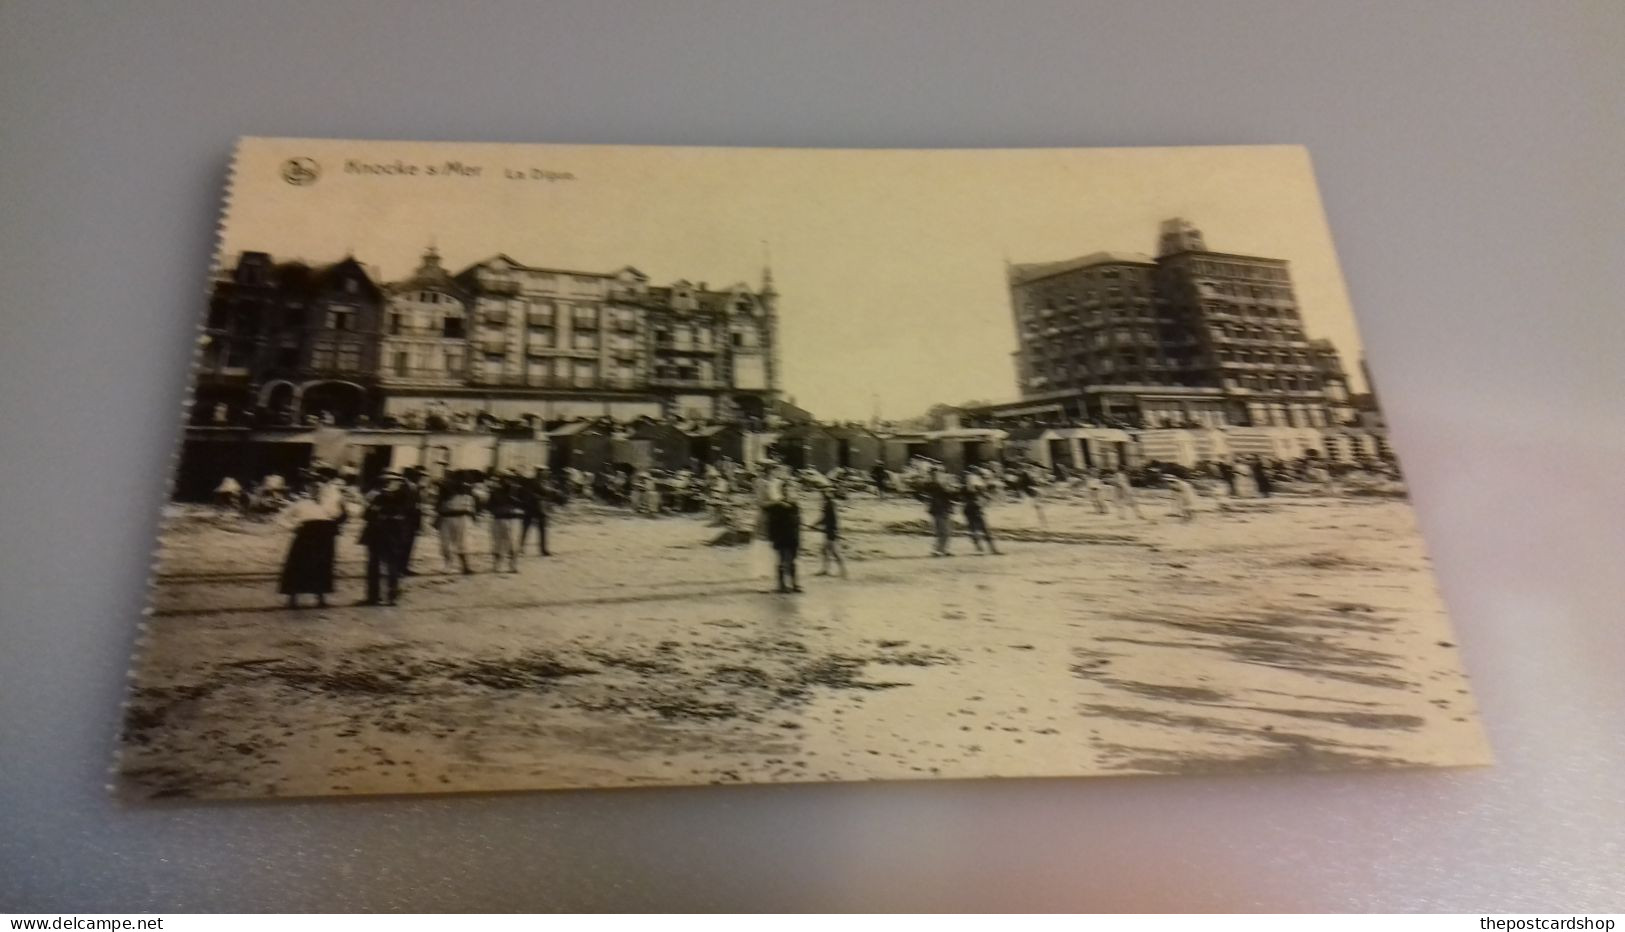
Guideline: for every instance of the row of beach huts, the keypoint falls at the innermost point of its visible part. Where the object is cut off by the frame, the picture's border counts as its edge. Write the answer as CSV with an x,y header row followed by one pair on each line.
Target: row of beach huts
x,y
248,454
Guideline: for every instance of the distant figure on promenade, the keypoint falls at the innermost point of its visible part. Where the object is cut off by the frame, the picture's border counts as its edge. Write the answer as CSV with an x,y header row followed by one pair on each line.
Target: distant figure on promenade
x,y
939,503
1227,472
453,514
387,518
880,475
229,494
976,519
308,567
784,533
507,508
1123,495
539,498
1261,478
830,523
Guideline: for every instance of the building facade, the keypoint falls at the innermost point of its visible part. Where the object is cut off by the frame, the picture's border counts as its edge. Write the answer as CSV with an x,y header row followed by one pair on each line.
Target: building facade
x,y
589,343
284,342
1191,337
292,344
426,326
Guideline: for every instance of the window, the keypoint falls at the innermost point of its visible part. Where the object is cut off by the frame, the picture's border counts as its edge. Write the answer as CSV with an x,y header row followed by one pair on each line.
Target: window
x,y
350,356
454,361
585,341
395,323
452,328
351,286
322,356
400,364
340,317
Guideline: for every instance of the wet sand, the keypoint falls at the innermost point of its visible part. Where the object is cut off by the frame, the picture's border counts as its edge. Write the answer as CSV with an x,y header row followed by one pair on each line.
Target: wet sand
x,y
1299,633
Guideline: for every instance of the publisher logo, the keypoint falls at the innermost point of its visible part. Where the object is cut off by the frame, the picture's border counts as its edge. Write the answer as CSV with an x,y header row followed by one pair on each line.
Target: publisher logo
x,y
300,171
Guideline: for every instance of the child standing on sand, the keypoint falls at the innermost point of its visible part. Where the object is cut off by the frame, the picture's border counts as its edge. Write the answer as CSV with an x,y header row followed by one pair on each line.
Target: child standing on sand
x,y
829,523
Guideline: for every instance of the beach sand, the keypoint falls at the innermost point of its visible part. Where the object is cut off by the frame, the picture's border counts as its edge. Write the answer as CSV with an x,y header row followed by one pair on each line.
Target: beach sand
x,y
1298,633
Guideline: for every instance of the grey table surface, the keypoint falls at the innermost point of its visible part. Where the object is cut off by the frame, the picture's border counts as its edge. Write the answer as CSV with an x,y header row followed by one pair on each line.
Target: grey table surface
x,y
1469,155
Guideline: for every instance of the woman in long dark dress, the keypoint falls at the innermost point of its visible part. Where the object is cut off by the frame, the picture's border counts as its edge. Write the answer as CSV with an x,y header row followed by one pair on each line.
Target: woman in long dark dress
x,y
308,567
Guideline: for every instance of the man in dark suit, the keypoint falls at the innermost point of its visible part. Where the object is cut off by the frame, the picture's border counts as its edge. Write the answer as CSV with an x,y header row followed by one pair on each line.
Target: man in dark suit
x,y
386,533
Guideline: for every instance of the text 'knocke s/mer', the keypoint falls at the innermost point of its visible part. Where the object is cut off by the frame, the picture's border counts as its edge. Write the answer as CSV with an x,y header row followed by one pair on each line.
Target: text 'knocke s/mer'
x,y
398,167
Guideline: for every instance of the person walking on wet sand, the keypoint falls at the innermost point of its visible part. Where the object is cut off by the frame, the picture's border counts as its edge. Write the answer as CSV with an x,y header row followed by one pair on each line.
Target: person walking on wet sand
x,y
308,567
453,514
387,519
1026,486
1261,478
1123,496
533,495
829,523
784,533
939,503
976,520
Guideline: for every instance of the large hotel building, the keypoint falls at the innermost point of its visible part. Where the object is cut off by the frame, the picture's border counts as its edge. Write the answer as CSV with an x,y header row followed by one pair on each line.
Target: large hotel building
x,y
1190,337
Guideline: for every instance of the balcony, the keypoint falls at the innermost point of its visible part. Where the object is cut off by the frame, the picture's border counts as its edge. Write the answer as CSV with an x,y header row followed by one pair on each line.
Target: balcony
x,y
499,286
659,382
584,323
539,318
494,318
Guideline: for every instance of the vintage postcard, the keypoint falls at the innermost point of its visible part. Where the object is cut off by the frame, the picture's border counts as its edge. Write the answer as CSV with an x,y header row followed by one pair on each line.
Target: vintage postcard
x,y
515,467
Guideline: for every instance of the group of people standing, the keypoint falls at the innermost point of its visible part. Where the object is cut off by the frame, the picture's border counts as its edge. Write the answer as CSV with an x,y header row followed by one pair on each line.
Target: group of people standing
x,y
393,516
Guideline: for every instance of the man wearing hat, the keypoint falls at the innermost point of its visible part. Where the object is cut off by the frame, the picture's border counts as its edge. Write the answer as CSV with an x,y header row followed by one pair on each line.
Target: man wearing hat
x,y
388,521
507,508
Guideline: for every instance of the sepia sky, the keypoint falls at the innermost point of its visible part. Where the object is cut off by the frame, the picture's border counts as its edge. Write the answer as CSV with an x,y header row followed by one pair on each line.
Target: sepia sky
x,y
889,263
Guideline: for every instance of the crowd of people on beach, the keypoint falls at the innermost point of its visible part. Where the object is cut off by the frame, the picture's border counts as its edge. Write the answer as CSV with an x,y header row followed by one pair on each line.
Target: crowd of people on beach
x,y
763,503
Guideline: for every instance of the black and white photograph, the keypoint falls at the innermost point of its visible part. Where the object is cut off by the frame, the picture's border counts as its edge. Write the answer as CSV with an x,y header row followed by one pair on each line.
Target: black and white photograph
x,y
516,467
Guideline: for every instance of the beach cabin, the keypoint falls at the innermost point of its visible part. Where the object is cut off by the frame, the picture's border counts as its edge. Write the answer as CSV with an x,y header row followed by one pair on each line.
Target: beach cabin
x,y
584,445
961,447
660,445
898,449
712,443
855,448
802,446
